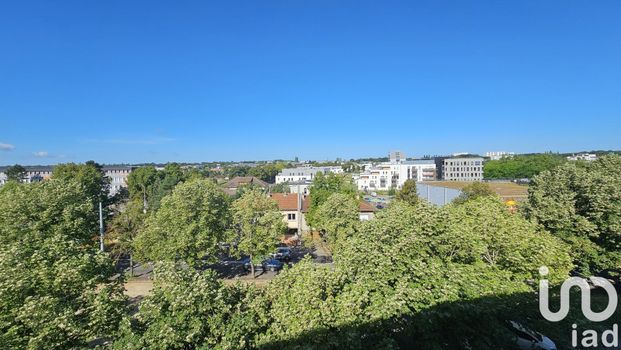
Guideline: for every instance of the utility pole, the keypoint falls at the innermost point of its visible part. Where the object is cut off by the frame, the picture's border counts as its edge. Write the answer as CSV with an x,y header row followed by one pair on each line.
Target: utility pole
x,y
101,229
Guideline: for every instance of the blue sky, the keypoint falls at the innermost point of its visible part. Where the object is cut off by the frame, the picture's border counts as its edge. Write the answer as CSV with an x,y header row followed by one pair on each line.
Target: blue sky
x,y
156,81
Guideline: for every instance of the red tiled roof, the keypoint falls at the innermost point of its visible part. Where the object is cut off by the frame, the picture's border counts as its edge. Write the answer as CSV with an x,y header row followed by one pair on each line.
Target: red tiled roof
x,y
365,207
286,201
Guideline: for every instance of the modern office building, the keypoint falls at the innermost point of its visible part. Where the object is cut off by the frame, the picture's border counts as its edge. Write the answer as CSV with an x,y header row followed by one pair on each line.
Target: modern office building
x,y
463,169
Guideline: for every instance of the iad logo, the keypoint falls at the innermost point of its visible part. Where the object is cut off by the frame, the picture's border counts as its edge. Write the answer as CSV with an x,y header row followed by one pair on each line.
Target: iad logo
x,y
590,338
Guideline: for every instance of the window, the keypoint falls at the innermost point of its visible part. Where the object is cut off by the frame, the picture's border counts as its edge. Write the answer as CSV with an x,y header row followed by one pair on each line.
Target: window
x,y
291,216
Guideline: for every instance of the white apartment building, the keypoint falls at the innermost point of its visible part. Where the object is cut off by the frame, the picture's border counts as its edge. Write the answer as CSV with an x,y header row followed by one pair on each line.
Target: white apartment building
x,y
463,169
589,157
498,155
117,174
385,176
302,174
118,177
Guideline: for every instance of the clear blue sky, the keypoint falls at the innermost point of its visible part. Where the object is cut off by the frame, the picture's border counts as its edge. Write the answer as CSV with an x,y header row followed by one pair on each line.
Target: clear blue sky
x,y
142,81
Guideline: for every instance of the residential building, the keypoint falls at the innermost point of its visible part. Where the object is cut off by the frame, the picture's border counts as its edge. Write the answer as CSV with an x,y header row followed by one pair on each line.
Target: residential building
x,y
302,187
117,174
235,183
499,155
290,205
294,207
118,177
589,157
393,174
463,169
305,173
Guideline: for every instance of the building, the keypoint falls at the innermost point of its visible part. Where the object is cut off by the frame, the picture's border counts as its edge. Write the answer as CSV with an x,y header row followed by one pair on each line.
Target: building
x,y
118,177
117,174
396,157
463,169
499,155
305,173
294,206
290,205
302,187
589,157
235,183
393,174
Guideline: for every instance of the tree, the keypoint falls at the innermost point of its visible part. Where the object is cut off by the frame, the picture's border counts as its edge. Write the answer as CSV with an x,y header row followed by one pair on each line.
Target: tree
x,y
473,191
188,227
408,192
90,175
189,309
580,203
521,166
16,173
337,219
141,183
165,182
56,289
282,187
259,225
124,228
323,187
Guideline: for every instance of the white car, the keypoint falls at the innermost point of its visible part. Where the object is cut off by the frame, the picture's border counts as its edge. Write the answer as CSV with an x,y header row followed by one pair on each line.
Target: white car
x,y
527,339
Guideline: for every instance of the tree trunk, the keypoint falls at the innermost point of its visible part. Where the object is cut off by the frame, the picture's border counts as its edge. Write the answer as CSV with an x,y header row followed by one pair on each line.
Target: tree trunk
x,y
131,265
252,267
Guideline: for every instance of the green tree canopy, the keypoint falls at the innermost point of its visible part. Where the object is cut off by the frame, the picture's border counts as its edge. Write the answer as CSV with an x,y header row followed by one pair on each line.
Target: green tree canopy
x,y
338,219
16,173
90,175
581,203
408,192
258,224
521,166
323,187
56,289
473,191
189,225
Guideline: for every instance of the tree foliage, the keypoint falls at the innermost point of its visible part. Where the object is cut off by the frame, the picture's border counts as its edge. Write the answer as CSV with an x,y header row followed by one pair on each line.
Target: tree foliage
x,y
338,219
16,173
581,203
323,187
190,223
90,175
56,290
408,192
189,309
521,166
473,191
258,224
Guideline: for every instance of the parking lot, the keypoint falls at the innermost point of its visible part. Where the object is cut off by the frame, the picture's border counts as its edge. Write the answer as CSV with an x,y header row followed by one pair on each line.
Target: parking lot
x,y
231,269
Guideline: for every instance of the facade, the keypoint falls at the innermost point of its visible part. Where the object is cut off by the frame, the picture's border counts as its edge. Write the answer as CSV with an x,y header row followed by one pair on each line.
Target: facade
x,y
463,169
118,177
397,157
117,174
499,155
589,157
302,187
305,173
385,176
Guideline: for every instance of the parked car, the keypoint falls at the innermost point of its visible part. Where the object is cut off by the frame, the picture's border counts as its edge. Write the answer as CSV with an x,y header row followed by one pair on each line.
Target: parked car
x,y
527,339
282,254
269,264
